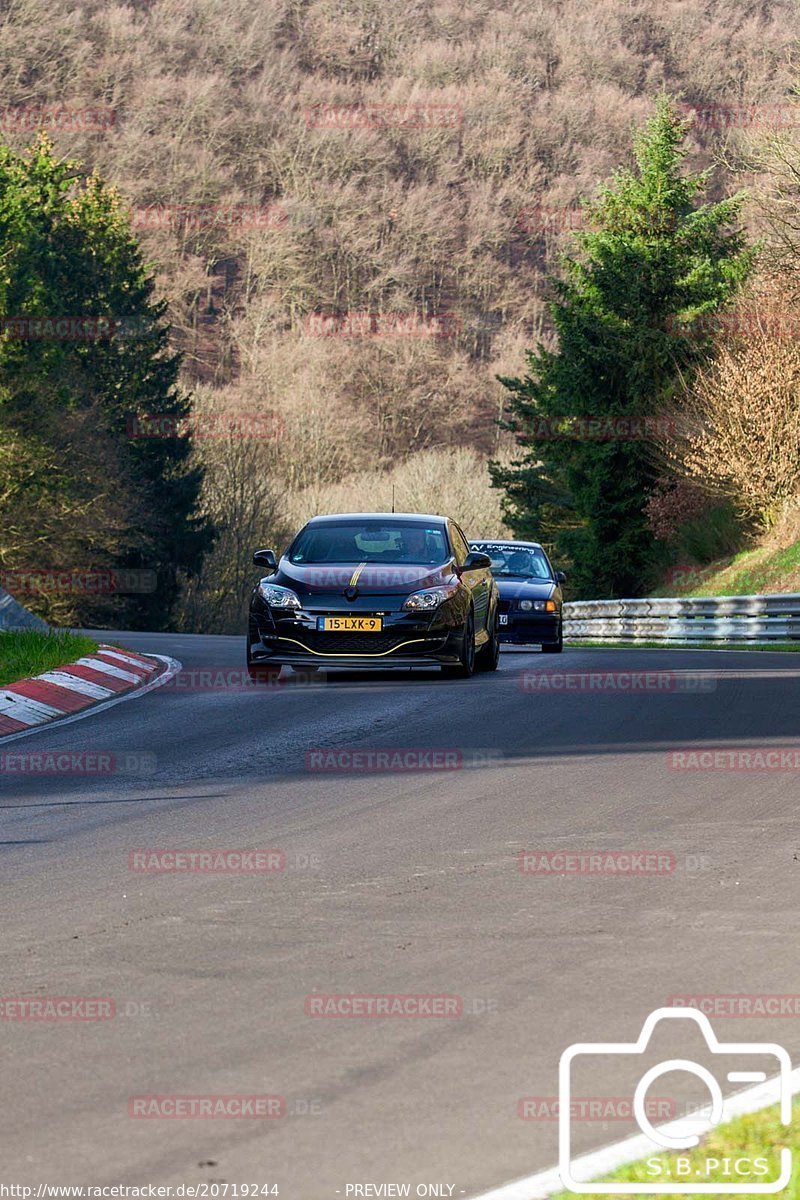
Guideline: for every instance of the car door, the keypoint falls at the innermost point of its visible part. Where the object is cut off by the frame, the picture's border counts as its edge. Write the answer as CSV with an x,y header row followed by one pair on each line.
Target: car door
x,y
479,582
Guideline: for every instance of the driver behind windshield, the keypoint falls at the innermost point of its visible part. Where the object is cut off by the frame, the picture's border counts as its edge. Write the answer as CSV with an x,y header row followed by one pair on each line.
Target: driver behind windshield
x,y
519,563
415,547
524,563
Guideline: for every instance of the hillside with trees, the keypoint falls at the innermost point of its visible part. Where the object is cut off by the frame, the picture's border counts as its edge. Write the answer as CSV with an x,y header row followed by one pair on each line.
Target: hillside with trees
x,y
364,279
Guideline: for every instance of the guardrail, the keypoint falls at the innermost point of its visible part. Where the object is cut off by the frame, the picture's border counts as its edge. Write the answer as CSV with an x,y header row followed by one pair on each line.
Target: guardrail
x,y
685,619
14,616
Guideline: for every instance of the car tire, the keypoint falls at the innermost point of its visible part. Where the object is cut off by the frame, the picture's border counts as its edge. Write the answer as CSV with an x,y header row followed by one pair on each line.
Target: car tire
x,y
488,657
556,647
466,667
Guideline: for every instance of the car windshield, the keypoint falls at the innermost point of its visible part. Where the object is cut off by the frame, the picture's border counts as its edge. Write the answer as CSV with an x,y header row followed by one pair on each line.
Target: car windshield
x,y
357,541
513,559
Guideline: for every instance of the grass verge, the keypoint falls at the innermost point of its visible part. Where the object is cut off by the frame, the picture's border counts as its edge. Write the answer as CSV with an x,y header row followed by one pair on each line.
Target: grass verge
x,y
27,652
754,572
755,1135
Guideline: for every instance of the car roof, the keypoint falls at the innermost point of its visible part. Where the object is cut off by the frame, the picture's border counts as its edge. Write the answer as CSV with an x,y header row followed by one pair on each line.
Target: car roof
x,y
420,518
507,542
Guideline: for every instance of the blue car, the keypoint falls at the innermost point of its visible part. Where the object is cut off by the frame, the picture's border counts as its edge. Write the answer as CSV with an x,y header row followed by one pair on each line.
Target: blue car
x,y
530,594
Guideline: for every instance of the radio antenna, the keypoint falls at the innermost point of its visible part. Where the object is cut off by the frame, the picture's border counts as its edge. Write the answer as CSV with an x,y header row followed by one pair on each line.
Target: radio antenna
x,y
392,497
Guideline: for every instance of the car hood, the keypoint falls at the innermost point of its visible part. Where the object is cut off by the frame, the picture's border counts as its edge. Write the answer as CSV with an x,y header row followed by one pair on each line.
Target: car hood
x,y
522,589
371,579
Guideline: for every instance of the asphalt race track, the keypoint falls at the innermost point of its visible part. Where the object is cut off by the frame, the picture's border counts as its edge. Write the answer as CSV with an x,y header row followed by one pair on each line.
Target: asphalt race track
x,y
395,882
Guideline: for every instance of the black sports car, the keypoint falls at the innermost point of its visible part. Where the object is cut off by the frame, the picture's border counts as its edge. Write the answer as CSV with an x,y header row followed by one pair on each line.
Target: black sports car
x,y
530,593
375,590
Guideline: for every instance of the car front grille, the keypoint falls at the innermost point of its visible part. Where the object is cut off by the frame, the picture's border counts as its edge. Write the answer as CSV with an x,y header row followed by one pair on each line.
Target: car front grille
x,y
363,643
504,606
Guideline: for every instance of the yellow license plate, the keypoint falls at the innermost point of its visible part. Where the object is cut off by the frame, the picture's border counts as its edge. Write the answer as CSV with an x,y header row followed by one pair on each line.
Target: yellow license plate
x,y
350,624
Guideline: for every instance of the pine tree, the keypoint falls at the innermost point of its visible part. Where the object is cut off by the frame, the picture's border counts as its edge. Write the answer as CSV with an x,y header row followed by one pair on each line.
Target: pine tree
x,y
85,494
651,261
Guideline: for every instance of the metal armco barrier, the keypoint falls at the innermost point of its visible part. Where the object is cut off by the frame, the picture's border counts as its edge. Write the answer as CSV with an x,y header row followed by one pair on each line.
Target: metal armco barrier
x,y
685,619
14,616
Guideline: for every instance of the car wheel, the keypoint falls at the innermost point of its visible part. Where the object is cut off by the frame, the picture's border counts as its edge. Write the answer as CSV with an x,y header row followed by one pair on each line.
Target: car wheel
x,y
488,656
466,667
556,647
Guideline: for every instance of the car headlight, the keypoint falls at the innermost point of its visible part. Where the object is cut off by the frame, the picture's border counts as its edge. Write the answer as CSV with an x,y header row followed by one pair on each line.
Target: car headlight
x,y
428,599
278,597
526,605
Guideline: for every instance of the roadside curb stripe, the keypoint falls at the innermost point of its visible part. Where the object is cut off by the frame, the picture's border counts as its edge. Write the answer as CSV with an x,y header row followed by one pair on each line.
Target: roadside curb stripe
x,y
10,725
137,669
89,673
93,680
97,664
118,656
54,695
22,708
74,683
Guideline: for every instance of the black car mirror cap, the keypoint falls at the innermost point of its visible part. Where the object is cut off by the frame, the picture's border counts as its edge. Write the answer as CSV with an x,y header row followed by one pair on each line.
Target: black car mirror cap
x,y
265,558
560,577
476,561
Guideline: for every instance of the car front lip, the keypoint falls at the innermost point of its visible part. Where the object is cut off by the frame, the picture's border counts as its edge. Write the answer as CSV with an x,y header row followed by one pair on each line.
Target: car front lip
x,y
349,662
530,627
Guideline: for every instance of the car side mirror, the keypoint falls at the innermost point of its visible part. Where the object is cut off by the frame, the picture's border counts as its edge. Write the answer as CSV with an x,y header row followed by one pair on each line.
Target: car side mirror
x,y
476,561
560,577
265,558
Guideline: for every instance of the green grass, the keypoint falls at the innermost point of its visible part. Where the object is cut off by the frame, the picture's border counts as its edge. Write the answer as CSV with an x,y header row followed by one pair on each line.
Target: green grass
x,y
756,1134
751,572
29,652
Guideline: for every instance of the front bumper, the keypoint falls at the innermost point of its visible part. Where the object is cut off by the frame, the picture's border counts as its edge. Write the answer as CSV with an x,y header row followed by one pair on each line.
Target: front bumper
x,y
406,640
523,628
